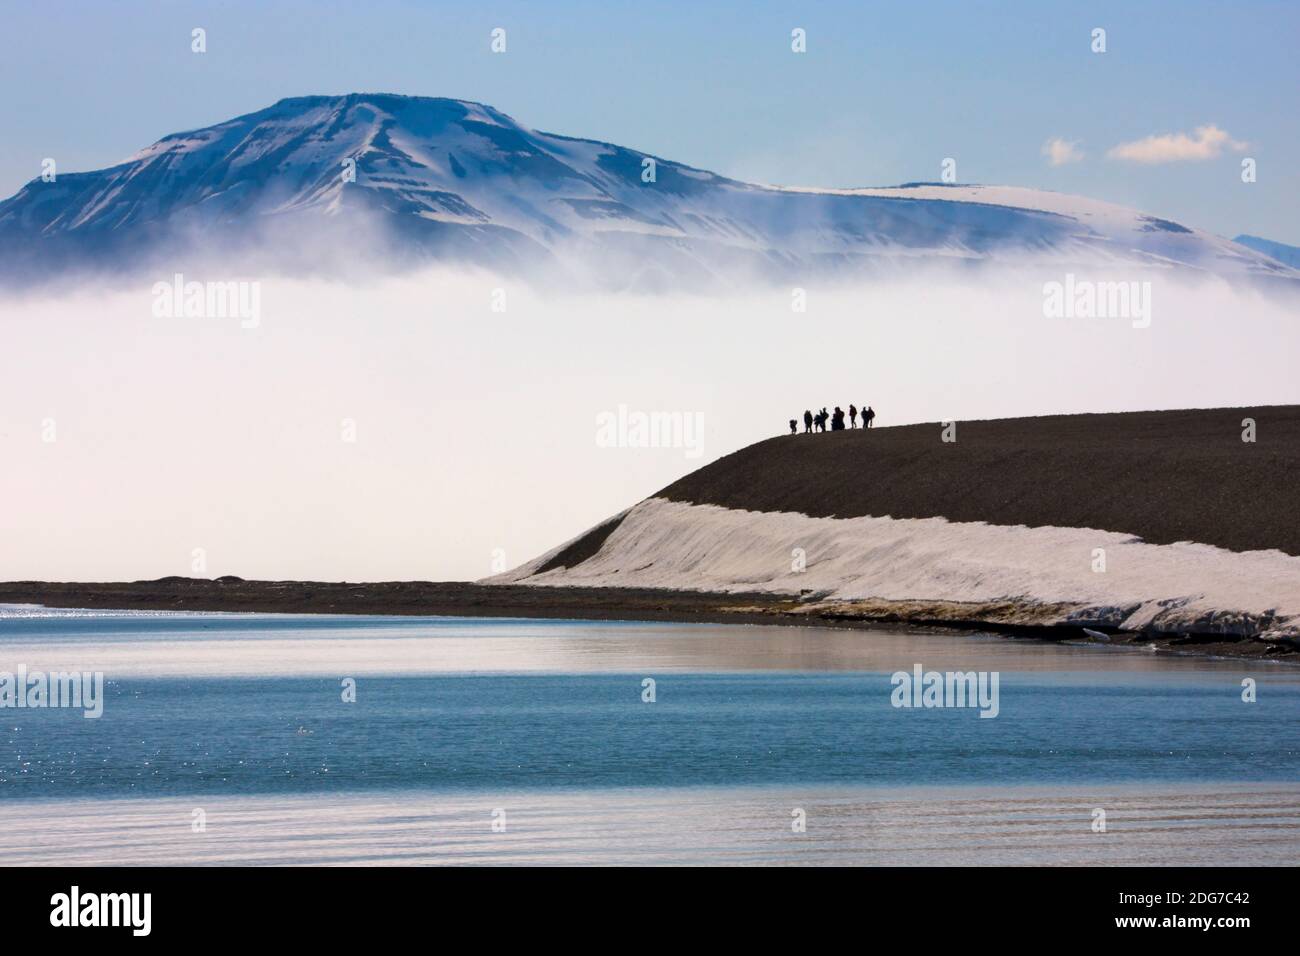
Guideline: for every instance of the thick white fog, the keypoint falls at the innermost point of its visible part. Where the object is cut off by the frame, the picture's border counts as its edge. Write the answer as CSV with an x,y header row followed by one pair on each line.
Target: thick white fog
x,y
480,438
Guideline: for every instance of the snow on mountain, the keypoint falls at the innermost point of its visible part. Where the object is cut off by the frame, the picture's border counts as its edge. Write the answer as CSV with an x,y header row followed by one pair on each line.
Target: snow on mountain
x,y
460,181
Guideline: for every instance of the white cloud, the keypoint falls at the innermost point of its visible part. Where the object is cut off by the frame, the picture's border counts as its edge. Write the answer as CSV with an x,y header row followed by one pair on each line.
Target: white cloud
x,y
1207,142
250,419
1061,151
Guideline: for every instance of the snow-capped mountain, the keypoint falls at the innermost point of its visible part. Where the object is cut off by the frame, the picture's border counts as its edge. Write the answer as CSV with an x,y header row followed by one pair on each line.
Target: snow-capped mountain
x,y
400,180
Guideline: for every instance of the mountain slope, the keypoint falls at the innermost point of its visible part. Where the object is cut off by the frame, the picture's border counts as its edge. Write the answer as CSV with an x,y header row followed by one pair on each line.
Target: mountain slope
x,y
1165,521
461,181
1287,255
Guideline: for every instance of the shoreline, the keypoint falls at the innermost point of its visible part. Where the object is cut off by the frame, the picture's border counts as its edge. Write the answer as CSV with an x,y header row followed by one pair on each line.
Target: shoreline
x,y
469,599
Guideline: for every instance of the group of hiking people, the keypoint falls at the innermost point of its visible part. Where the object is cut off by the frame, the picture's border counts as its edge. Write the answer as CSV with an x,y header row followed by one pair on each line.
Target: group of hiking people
x,y
818,421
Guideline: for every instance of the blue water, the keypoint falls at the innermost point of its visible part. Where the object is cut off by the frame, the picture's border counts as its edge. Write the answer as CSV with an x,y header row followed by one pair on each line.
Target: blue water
x,y
458,732
458,721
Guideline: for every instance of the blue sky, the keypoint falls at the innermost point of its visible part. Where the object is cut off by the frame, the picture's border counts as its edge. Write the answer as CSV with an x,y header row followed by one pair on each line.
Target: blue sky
x,y
883,94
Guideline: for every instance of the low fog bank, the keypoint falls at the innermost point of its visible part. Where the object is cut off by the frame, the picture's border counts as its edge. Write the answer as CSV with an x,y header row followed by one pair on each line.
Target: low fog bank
x,y
445,424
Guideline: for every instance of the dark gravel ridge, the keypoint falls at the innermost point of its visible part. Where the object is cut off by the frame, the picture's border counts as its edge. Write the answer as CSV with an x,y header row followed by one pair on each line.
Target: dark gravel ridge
x,y
1168,476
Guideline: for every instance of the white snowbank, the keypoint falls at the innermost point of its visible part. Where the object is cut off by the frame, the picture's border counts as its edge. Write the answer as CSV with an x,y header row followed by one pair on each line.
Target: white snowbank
x,y
669,544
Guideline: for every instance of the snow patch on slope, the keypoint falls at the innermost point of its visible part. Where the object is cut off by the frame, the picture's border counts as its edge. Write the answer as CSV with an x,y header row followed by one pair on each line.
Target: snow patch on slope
x,y
669,544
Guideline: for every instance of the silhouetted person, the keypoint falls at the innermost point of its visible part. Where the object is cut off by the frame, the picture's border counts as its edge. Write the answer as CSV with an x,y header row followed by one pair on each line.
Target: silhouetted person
x,y
794,426
837,420
868,417
853,416
807,421
825,416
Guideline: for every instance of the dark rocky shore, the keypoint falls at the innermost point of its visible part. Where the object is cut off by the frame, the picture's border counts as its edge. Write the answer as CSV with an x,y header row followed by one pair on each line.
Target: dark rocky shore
x,y
455,598
459,598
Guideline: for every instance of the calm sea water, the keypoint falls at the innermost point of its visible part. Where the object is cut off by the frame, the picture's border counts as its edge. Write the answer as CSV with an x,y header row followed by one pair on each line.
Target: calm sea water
x,y
541,729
